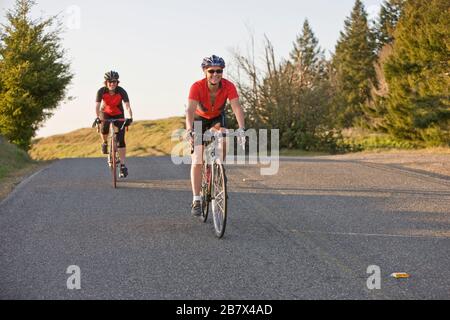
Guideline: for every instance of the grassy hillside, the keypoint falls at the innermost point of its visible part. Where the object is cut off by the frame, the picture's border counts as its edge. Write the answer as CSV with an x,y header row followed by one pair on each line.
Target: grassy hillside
x,y
12,159
144,138
15,165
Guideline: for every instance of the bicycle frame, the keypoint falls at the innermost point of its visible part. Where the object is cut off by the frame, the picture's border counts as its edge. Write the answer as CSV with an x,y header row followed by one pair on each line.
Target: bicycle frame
x,y
215,139
113,161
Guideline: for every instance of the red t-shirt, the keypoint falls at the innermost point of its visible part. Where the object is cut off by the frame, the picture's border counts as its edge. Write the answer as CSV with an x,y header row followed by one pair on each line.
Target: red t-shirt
x,y
200,92
112,102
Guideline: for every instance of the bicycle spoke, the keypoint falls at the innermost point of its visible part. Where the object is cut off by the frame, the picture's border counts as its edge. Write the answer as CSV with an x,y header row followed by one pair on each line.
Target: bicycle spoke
x,y
218,185
217,215
221,207
220,194
219,199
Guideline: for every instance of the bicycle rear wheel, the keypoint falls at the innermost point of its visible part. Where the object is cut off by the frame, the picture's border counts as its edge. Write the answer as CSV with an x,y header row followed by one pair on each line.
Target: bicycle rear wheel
x,y
205,192
219,200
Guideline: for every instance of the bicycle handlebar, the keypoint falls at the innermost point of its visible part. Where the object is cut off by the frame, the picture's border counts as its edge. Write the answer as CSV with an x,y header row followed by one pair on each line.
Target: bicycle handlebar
x,y
114,120
216,134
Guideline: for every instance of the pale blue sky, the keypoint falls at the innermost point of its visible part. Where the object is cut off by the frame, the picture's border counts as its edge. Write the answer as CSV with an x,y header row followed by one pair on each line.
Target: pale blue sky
x,y
157,46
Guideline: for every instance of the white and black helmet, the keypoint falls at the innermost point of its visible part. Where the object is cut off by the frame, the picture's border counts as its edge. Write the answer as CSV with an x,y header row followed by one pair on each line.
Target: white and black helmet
x,y
213,61
111,75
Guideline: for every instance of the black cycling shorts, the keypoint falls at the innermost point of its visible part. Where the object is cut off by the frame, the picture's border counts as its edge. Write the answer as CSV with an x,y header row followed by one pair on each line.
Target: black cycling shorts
x,y
121,135
209,123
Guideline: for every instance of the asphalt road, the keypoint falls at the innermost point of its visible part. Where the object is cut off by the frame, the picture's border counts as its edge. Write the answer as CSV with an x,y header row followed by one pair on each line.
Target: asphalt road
x,y
309,232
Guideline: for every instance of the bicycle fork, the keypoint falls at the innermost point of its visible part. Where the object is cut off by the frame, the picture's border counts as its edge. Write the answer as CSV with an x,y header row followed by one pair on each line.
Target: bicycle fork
x,y
110,154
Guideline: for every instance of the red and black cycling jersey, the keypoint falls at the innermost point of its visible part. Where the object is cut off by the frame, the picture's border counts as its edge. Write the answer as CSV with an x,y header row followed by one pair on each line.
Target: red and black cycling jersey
x,y
112,103
200,92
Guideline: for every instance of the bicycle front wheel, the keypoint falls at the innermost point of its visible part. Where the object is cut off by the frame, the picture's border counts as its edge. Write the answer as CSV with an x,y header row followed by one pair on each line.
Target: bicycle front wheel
x,y
219,200
113,157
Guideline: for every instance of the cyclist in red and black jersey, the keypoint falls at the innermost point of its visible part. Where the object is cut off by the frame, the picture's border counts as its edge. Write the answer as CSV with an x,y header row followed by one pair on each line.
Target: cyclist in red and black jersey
x,y
207,101
109,106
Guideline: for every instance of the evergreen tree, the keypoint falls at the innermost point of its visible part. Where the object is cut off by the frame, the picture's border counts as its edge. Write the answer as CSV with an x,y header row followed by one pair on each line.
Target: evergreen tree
x,y
310,90
389,15
307,58
418,76
353,64
375,110
33,74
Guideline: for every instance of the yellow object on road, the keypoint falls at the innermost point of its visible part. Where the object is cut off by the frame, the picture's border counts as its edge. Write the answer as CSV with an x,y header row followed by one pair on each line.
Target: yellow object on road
x,y
400,275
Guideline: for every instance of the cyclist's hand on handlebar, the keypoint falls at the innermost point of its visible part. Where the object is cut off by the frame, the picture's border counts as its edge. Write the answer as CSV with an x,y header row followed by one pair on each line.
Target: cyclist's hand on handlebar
x,y
128,122
190,136
97,121
240,133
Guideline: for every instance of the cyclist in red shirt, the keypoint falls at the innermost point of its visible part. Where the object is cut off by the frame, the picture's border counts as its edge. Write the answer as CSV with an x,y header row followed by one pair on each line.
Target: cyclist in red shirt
x,y
109,106
207,101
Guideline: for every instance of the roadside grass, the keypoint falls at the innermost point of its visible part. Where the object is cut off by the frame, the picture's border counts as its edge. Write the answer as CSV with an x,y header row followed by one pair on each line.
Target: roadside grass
x,y
301,153
363,140
418,151
15,165
12,159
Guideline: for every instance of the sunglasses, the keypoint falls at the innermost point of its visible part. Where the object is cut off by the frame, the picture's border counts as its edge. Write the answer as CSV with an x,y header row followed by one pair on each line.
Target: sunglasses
x,y
114,82
218,71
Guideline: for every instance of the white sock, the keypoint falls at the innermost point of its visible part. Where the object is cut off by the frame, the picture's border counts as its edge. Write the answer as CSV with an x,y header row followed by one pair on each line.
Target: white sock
x,y
197,198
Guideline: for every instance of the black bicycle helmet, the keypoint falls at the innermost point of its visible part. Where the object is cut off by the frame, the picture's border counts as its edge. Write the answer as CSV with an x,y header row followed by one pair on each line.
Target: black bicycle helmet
x,y
111,75
213,61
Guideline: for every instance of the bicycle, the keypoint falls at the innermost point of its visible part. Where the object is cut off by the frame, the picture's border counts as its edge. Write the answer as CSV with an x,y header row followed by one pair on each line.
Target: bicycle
x,y
113,156
214,182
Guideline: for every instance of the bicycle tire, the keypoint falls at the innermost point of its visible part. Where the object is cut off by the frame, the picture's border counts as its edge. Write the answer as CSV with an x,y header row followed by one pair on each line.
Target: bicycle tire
x,y
205,191
113,155
219,195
